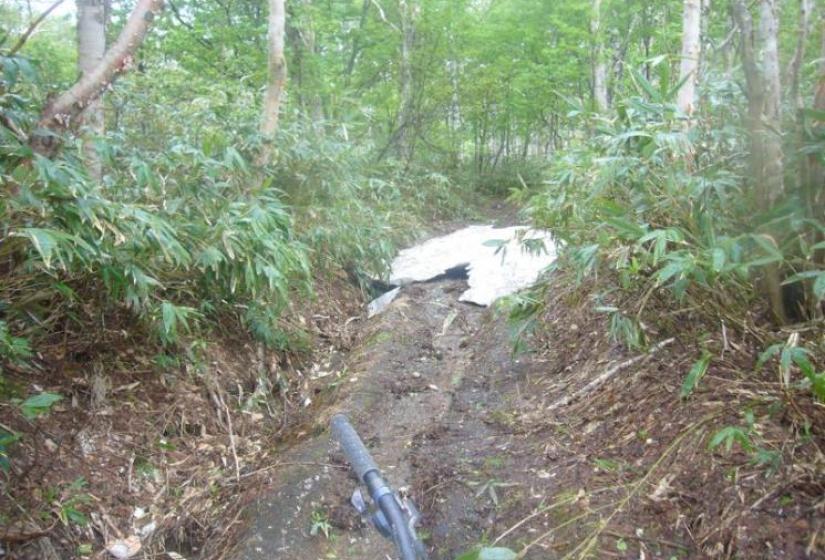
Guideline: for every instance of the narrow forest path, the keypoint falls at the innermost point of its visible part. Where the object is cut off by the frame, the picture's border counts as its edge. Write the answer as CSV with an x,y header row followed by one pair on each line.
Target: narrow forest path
x,y
421,390
494,451
399,384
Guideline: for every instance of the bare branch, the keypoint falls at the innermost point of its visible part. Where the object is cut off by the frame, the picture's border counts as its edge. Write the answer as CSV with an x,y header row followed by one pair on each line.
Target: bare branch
x,y
383,16
10,124
34,25
118,59
176,13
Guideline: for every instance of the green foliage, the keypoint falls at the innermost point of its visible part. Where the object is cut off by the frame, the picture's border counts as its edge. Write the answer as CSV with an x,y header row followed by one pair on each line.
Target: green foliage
x,y
183,229
12,348
667,207
320,524
68,502
6,439
696,373
730,435
38,405
790,354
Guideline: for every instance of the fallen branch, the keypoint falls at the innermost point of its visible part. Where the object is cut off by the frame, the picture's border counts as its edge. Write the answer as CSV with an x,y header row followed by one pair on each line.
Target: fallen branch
x,y
606,376
232,444
23,533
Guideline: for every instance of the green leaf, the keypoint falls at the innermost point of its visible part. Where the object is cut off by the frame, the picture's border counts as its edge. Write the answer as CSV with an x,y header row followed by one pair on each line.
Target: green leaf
x,y
819,287
697,371
170,317
772,254
6,439
38,405
645,86
770,352
730,435
45,242
718,259
626,228
672,269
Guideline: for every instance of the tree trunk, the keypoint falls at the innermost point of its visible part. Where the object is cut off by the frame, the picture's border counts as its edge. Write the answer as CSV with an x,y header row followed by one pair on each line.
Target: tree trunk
x,y
772,111
795,66
305,52
599,64
356,42
406,134
760,55
277,79
815,180
64,110
91,47
454,115
691,47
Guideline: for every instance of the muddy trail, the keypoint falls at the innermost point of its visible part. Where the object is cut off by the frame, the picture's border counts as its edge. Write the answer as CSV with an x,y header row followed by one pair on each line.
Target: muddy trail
x,y
527,452
423,390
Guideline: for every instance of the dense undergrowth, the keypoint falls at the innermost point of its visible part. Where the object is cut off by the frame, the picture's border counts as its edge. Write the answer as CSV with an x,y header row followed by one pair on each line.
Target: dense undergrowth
x,y
660,236
183,247
667,206
187,229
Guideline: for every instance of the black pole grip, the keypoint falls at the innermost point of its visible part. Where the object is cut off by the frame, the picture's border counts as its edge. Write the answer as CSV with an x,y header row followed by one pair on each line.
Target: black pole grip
x,y
353,447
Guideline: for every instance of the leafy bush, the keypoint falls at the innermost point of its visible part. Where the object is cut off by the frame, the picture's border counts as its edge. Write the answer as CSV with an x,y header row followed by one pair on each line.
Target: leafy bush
x,y
508,176
668,206
184,229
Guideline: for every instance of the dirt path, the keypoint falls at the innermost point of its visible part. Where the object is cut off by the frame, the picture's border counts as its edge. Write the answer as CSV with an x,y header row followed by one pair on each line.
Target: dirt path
x,y
399,385
475,436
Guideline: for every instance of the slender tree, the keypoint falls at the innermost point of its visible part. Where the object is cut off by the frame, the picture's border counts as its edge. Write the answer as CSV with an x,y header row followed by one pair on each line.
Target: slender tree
x,y
691,30
91,47
277,79
795,67
409,10
599,63
815,170
760,55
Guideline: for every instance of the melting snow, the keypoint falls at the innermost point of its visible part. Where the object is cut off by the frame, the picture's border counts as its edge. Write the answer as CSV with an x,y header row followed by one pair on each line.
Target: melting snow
x,y
498,263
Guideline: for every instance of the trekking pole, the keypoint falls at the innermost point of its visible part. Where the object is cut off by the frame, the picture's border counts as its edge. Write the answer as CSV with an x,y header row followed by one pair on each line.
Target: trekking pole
x,y
395,518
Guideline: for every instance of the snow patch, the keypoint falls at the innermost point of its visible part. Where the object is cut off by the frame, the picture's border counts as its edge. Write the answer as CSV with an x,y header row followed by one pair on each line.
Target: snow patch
x,y
498,261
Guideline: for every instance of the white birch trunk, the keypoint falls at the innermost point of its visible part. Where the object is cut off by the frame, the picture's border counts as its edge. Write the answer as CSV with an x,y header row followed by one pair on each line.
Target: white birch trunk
x,y
691,49
406,134
91,47
277,79
794,68
599,64
772,112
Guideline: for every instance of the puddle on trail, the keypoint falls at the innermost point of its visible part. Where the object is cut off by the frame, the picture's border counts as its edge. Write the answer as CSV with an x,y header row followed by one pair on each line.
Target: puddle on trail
x,y
498,261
